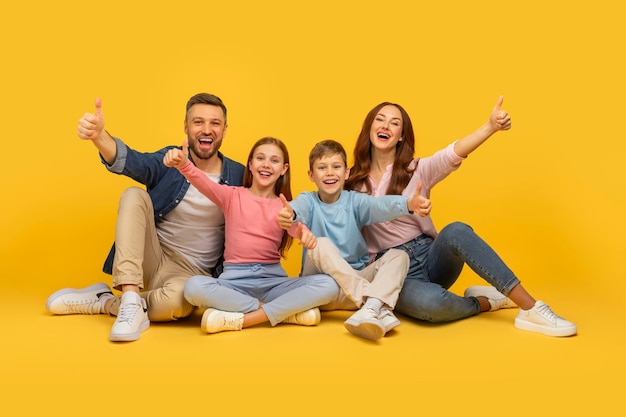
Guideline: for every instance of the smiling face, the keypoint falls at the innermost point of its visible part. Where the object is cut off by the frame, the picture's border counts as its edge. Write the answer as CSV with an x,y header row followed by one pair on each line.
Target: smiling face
x,y
266,166
205,128
386,129
329,173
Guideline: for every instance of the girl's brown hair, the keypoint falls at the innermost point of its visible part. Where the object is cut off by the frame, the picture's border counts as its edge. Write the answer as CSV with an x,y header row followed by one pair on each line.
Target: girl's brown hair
x,y
283,185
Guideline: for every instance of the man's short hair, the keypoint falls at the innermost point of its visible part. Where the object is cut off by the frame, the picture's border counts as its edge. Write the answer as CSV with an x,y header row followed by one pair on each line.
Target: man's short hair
x,y
206,98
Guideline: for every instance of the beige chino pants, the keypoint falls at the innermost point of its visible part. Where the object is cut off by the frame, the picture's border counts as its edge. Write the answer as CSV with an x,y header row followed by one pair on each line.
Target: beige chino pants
x,y
141,259
380,279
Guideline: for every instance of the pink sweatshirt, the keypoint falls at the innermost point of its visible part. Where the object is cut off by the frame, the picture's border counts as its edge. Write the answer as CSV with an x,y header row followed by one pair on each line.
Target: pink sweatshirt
x,y
251,223
430,171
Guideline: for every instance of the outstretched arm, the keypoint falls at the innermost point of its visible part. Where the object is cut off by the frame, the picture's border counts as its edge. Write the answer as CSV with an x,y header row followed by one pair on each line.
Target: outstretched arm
x,y
499,120
91,127
418,203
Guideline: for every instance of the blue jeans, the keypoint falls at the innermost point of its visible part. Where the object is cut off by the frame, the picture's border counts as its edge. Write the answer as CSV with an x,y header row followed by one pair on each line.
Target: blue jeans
x,y
241,286
437,263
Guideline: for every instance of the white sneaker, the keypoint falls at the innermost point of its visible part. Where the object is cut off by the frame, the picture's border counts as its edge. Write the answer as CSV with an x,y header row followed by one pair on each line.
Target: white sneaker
x,y
132,318
214,321
541,319
497,300
78,301
309,317
365,323
388,319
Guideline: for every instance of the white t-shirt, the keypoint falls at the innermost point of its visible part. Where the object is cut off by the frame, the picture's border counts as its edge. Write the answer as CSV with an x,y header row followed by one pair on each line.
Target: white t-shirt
x,y
195,228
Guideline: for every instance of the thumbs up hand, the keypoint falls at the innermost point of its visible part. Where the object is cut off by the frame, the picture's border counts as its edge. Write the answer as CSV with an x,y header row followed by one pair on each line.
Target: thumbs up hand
x,y
500,119
285,215
419,203
176,157
92,124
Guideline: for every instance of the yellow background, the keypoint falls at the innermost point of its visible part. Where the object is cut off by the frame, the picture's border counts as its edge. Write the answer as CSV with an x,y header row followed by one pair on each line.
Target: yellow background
x,y
547,195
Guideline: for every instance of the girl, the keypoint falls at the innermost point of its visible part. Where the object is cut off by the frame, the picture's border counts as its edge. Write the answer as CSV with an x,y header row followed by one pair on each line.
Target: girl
x,y
254,287
384,164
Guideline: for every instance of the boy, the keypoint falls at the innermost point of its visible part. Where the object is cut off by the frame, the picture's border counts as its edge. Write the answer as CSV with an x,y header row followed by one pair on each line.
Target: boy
x,y
336,217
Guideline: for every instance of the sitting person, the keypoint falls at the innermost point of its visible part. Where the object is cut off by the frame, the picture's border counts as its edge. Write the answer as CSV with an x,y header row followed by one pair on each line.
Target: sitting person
x,y
151,259
254,287
384,165
336,217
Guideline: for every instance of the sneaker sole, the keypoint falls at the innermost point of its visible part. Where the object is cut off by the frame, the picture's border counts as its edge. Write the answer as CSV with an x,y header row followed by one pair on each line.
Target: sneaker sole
x,y
365,329
130,337
538,328
99,286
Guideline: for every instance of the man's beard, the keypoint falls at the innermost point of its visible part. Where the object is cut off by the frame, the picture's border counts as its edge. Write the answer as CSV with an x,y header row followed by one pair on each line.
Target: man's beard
x,y
203,154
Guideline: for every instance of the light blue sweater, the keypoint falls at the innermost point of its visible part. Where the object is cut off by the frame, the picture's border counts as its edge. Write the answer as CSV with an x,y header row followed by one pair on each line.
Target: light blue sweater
x,y
341,221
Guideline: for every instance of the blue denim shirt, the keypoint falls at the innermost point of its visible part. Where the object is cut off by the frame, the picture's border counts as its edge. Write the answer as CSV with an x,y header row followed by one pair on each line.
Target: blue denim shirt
x,y
166,186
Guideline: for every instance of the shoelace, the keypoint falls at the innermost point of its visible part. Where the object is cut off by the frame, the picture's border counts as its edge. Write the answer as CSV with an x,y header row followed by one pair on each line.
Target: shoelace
x,y
83,306
383,313
547,313
498,302
230,321
373,313
128,312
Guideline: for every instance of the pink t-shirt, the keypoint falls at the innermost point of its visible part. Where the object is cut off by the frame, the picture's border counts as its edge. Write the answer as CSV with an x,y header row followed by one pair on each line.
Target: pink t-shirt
x,y
252,232
430,171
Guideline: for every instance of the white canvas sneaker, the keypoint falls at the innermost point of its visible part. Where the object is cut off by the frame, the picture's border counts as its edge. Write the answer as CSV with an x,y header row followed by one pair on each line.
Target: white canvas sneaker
x,y
214,321
541,319
309,317
132,319
497,300
388,319
78,300
365,323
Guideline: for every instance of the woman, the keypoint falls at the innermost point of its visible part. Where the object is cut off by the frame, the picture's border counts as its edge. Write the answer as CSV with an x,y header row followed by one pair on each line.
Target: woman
x,y
384,164
254,288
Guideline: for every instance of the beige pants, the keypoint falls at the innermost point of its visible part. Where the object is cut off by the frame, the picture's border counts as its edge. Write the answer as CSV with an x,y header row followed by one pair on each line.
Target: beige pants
x,y
380,279
140,259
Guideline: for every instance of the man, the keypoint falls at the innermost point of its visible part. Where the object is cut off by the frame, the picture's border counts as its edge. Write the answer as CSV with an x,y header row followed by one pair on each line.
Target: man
x,y
165,233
